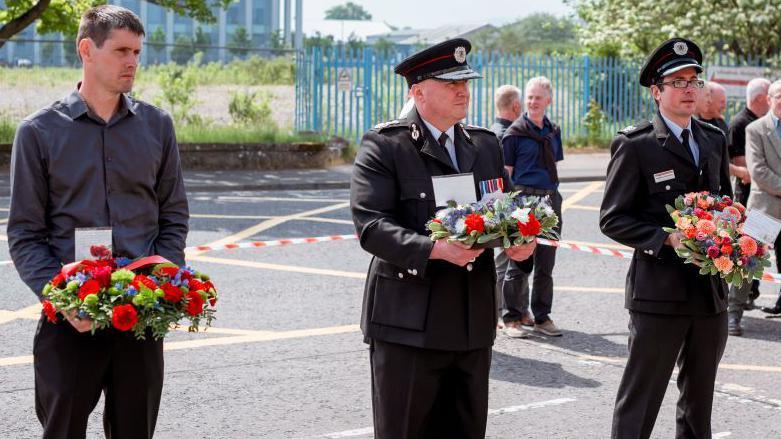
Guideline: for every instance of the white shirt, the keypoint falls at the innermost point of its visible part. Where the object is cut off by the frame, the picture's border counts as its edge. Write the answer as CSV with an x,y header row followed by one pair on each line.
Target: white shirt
x,y
449,145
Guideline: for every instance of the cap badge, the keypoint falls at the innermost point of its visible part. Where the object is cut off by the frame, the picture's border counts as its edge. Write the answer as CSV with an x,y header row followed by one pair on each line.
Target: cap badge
x,y
460,54
680,48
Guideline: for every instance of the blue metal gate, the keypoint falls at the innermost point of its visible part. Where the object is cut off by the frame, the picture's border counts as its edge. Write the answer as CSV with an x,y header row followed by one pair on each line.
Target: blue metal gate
x,y
326,102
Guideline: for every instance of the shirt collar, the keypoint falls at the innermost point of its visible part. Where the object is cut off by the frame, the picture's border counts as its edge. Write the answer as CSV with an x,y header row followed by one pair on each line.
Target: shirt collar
x,y
675,128
545,121
77,107
436,133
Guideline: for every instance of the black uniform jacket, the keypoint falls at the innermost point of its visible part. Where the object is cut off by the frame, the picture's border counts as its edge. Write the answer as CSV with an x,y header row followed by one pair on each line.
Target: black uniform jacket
x,y
633,213
408,299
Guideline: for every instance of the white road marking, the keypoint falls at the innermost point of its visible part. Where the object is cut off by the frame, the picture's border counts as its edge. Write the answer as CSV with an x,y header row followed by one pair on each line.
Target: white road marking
x,y
499,411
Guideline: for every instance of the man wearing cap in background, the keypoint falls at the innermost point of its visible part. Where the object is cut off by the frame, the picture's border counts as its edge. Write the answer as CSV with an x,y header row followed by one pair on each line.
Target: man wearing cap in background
x,y
429,311
675,314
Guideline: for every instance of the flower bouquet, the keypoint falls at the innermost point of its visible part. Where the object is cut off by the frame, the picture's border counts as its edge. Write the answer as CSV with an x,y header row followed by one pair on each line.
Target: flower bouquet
x,y
712,228
112,294
498,220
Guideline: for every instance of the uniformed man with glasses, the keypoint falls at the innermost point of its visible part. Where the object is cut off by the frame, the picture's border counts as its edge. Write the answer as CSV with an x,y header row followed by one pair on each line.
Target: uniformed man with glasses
x,y
675,314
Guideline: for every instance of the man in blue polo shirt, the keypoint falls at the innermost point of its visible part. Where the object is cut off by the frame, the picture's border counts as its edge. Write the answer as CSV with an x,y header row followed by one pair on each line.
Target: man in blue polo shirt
x,y
532,146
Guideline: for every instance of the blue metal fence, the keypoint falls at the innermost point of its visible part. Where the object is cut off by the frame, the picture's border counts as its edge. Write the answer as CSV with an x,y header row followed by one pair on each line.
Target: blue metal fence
x,y
369,92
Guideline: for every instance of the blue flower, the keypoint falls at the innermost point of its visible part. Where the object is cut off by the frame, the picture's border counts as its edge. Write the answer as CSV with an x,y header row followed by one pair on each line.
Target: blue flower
x,y
122,261
131,291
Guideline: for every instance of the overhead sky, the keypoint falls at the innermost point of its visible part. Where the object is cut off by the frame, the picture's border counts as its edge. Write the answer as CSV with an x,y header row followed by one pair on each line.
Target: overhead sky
x,y
435,13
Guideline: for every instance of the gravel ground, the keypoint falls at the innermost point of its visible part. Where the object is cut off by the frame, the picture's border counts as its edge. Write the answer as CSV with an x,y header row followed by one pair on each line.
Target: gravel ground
x,y
17,101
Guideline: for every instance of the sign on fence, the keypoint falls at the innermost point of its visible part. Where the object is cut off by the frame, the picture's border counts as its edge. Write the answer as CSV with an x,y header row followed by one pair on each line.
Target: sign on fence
x,y
734,79
344,80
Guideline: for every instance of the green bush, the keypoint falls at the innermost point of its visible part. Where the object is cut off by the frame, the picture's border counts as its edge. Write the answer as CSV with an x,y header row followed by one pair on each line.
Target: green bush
x,y
244,109
177,86
7,131
595,121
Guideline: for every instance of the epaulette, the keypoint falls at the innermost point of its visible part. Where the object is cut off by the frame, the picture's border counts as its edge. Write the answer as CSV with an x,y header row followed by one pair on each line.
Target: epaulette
x,y
382,126
471,127
713,128
632,130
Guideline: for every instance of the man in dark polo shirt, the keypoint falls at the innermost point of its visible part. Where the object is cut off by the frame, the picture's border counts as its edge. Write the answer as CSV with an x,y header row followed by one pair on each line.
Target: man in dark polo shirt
x,y
96,158
532,146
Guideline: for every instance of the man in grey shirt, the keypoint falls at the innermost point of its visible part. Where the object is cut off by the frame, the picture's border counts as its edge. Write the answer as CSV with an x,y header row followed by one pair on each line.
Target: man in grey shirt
x,y
96,158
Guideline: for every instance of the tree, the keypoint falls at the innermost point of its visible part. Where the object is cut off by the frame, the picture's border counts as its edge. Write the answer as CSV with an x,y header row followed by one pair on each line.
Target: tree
x,y
156,42
63,16
318,40
539,33
384,47
183,49
348,11
240,42
747,29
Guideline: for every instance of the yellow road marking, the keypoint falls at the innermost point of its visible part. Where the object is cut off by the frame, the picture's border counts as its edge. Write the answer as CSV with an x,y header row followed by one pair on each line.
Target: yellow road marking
x,y
3,220
582,207
581,194
303,200
32,312
3,238
265,225
279,267
251,337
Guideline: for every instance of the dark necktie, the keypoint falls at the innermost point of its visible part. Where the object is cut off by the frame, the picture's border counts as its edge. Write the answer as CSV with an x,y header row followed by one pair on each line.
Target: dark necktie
x,y
685,136
451,152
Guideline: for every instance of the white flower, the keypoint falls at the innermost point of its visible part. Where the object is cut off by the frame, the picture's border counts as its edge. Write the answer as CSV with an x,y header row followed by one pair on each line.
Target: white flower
x,y
460,226
442,213
521,215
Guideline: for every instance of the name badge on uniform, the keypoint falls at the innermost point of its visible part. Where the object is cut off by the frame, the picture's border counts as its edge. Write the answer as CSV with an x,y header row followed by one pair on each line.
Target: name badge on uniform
x,y
664,176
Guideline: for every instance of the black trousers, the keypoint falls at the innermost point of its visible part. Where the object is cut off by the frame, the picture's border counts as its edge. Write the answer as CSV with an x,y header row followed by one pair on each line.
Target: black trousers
x,y
72,369
425,393
656,342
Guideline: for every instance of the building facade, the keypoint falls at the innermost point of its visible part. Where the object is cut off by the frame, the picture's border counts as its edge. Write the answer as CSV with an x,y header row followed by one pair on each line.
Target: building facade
x,y
257,22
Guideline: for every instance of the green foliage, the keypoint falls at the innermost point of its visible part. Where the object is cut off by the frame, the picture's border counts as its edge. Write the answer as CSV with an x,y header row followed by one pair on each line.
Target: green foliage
x,y
156,44
183,49
539,33
246,110
240,42
347,11
63,15
595,121
7,131
319,40
178,91
232,134
384,47
748,29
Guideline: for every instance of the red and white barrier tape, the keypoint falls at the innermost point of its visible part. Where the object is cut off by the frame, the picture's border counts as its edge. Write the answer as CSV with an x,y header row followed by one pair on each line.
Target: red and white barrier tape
x,y
274,243
624,254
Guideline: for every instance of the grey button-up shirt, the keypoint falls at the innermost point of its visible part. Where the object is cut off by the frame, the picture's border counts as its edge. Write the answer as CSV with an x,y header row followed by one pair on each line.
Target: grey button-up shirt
x,y
70,169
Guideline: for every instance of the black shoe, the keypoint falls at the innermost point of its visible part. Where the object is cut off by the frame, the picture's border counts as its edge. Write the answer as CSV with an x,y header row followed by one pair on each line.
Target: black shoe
x,y
733,323
772,310
750,305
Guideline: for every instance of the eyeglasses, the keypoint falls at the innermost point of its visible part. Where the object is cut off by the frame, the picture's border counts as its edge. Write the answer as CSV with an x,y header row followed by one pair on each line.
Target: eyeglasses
x,y
683,83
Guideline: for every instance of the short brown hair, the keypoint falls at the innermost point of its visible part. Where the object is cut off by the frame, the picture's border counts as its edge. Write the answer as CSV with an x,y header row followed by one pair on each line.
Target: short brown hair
x,y
98,22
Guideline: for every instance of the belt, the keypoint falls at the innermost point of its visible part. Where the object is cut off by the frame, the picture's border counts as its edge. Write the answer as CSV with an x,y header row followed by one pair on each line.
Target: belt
x,y
528,190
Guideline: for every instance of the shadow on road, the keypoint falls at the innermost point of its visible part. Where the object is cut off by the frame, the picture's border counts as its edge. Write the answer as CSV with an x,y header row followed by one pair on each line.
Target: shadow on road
x,y
759,328
535,373
592,344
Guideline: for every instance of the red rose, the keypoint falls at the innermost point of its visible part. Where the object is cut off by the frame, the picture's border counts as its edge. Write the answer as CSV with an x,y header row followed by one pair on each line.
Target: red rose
x,y
194,303
124,317
196,285
58,280
91,286
186,275
172,292
436,220
213,301
531,228
208,286
726,249
474,222
140,279
169,272
102,275
51,313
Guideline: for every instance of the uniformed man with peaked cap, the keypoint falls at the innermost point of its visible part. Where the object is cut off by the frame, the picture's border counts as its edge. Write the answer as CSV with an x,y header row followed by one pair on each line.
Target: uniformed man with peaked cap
x,y
429,311
675,314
